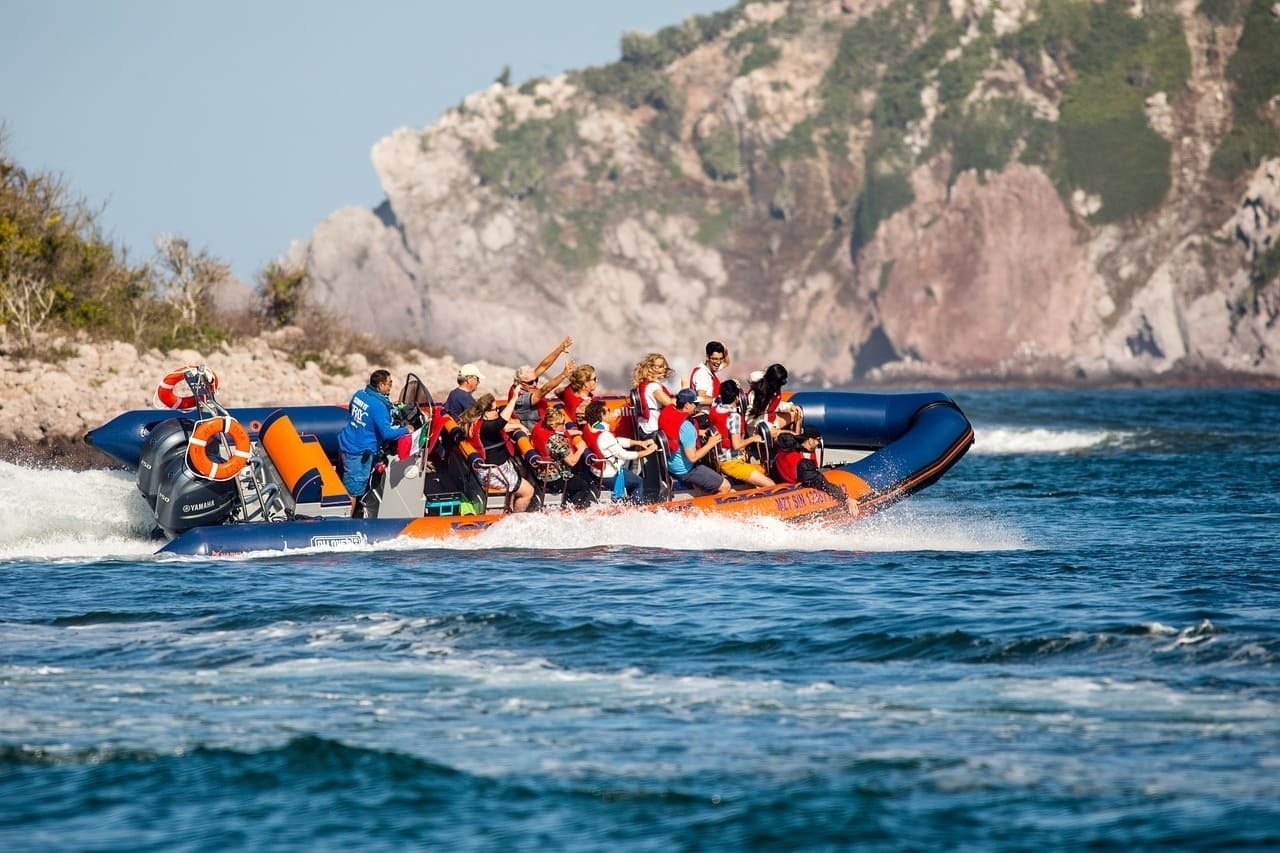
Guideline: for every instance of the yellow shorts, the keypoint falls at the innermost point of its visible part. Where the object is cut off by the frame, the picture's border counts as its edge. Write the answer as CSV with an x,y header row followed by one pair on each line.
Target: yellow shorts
x,y
739,469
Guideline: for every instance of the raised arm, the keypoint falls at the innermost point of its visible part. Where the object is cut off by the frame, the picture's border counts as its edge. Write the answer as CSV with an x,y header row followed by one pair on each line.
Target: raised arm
x,y
509,410
553,383
545,364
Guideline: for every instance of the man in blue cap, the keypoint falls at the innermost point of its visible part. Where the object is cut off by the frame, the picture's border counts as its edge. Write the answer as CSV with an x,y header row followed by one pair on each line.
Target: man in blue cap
x,y
682,437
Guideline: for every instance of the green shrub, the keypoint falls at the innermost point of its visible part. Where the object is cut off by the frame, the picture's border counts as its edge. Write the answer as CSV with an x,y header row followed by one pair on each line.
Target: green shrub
x,y
1266,266
1223,12
796,145
283,292
956,79
863,47
1105,144
887,188
715,225
1056,29
988,135
1109,150
575,243
882,196
526,154
1254,73
1244,147
761,56
718,152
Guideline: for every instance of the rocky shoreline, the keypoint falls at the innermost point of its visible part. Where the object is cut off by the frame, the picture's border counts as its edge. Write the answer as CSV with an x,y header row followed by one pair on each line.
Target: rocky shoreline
x,y
47,407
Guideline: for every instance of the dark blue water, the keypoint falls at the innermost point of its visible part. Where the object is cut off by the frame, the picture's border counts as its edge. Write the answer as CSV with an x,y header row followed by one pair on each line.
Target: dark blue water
x,y
1072,640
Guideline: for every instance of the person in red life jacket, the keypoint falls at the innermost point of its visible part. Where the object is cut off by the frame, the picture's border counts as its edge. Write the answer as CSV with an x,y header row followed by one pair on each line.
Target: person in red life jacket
x,y
794,463
726,417
647,381
612,452
581,388
651,396
704,379
765,403
490,431
562,451
687,451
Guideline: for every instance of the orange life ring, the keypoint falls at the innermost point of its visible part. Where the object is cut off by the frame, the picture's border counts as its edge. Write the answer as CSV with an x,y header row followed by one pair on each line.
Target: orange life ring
x,y
174,393
205,431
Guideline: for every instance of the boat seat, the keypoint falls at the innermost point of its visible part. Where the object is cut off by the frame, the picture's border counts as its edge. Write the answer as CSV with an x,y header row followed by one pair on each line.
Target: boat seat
x,y
594,480
666,485
497,496
305,472
541,497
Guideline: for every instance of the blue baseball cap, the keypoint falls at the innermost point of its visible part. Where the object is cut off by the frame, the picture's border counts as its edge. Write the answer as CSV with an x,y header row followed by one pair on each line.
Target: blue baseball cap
x,y
686,396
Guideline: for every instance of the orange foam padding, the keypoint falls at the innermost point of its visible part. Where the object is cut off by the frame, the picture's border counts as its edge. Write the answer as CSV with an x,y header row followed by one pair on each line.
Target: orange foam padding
x,y
300,460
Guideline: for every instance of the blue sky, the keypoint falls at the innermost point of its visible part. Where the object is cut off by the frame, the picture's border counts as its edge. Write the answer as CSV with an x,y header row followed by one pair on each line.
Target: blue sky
x,y
241,124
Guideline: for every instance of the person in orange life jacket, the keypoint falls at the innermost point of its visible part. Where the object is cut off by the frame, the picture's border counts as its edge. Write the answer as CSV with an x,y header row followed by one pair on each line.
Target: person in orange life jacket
x,y
581,387
727,420
368,426
686,452
704,379
794,463
765,403
647,382
490,429
530,409
532,399
563,450
612,451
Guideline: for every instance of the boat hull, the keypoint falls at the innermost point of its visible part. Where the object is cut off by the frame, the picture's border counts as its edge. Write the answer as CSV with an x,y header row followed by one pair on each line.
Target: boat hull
x,y
910,440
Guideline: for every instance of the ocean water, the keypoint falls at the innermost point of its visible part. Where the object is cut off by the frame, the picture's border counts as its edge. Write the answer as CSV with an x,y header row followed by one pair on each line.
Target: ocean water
x,y
1072,640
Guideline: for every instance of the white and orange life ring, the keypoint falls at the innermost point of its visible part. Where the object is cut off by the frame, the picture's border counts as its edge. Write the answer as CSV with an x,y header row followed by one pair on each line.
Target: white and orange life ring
x,y
204,465
174,393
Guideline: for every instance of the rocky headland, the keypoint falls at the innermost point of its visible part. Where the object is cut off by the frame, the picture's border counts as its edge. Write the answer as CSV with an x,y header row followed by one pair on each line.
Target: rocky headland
x,y
878,189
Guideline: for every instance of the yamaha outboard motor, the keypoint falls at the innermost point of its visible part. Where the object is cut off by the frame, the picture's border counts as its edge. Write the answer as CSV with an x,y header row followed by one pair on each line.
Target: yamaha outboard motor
x,y
184,500
166,441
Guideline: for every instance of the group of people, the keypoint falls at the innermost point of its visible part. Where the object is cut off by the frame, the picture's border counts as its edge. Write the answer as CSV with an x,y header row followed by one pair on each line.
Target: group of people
x,y
707,425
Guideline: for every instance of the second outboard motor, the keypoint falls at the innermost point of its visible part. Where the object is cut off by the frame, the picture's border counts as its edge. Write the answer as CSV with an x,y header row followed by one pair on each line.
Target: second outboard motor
x,y
184,501
166,441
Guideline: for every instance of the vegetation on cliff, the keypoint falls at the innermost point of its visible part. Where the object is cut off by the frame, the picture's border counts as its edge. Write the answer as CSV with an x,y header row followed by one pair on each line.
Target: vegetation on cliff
x,y
1254,72
908,84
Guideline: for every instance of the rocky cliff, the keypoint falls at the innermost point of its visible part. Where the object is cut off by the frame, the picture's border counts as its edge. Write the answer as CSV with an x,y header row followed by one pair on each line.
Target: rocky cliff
x,y
861,189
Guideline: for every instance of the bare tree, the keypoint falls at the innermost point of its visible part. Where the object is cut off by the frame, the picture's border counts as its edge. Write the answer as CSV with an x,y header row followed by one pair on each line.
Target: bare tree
x,y
25,302
187,276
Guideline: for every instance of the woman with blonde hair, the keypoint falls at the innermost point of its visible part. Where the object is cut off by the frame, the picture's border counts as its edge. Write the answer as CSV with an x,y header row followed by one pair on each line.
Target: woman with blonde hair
x,y
650,395
581,388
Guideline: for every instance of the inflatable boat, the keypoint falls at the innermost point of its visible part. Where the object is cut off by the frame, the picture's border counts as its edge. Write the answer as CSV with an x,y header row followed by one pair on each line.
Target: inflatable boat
x,y
266,478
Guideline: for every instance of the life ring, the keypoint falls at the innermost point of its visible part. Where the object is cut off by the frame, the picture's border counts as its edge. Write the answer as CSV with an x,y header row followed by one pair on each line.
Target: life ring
x,y
174,393
198,458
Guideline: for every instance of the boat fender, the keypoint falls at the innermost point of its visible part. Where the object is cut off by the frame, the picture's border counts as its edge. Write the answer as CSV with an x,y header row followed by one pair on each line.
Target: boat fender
x,y
202,463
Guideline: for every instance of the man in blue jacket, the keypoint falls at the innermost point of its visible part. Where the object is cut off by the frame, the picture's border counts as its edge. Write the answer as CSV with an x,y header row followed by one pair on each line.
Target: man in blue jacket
x,y
368,425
